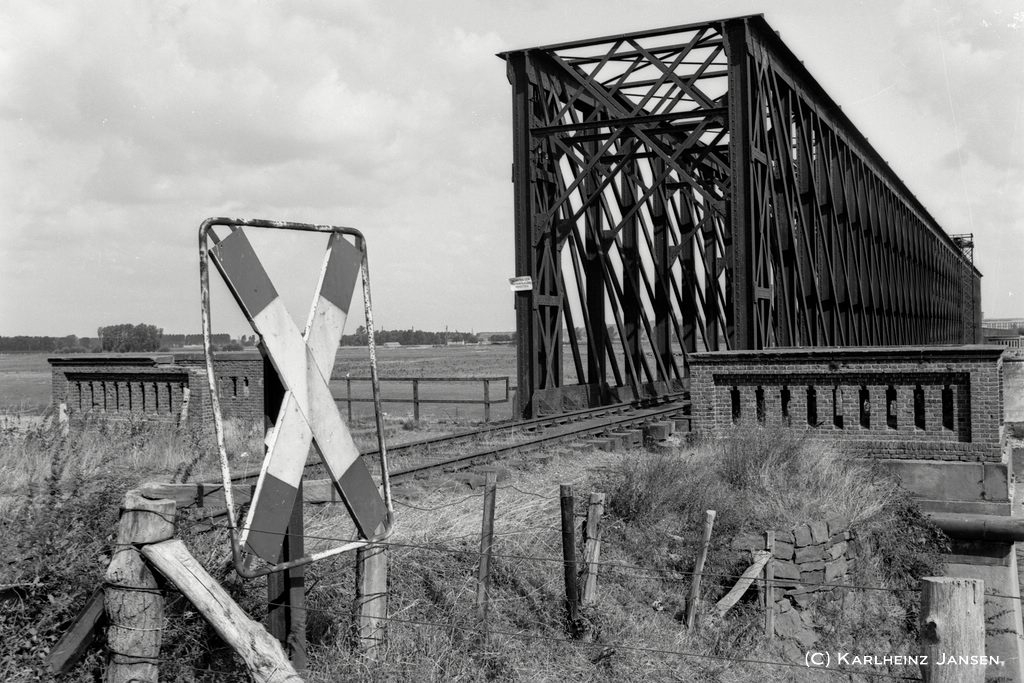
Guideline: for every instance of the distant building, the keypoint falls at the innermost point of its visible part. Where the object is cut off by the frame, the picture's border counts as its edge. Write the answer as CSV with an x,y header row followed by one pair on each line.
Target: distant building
x,y
1003,323
392,345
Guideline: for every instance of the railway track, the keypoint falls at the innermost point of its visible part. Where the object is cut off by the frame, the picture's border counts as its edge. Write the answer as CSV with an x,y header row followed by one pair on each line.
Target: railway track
x,y
605,427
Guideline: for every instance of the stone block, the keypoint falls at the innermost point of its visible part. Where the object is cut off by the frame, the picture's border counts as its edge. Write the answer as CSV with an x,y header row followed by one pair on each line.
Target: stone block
x,y
786,572
834,570
786,536
784,551
802,534
802,600
790,625
811,578
810,553
812,566
841,536
819,532
838,525
836,550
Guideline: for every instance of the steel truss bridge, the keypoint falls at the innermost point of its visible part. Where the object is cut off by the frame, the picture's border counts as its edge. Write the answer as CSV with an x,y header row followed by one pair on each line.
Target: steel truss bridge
x,y
693,188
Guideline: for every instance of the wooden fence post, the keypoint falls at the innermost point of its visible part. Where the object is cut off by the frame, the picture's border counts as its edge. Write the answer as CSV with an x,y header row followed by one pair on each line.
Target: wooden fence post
x,y
348,395
769,586
572,594
486,541
487,400
952,625
286,595
691,606
371,602
592,549
416,400
133,601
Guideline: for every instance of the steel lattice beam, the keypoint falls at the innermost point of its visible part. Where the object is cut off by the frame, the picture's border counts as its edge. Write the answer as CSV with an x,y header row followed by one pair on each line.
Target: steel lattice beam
x,y
693,188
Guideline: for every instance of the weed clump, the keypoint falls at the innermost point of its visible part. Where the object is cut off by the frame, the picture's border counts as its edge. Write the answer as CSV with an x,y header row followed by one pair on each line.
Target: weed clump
x,y
760,478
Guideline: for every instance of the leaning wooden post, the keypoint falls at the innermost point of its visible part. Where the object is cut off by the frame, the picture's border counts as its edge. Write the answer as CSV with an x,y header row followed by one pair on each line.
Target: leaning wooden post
x,y
769,586
572,594
952,625
133,601
262,653
592,549
371,601
486,542
691,607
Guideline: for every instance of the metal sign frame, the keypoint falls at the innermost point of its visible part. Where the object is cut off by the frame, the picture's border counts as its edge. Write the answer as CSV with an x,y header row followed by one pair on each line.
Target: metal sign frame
x,y
308,413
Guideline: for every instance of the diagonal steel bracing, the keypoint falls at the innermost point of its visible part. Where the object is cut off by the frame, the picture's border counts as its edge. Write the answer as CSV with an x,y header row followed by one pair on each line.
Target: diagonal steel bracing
x,y
693,188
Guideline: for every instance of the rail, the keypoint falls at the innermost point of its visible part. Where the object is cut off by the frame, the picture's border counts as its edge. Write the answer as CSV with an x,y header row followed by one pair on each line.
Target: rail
x,y
487,401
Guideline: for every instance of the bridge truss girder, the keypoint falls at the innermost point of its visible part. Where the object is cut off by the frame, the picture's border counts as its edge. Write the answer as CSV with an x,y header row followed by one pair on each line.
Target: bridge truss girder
x,y
692,189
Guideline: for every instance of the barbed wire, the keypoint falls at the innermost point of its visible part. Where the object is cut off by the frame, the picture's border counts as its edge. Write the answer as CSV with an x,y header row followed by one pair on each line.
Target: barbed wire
x,y
647,572
439,507
606,644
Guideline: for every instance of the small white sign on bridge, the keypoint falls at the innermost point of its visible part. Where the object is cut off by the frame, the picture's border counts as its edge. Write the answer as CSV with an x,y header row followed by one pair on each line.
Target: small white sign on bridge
x,y
523,283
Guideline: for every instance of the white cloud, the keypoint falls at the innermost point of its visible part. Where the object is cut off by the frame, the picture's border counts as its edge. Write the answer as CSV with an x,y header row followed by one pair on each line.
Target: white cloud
x,y
126,123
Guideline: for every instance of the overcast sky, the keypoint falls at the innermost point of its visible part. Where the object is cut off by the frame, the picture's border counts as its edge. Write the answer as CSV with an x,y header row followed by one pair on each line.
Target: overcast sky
x,y
125,124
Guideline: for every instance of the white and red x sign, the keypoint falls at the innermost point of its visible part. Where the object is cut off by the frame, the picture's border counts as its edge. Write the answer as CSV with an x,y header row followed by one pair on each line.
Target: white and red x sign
x,y
308,413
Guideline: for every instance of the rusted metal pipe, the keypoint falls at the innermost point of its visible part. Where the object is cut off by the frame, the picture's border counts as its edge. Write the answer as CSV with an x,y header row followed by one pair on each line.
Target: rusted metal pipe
x,y
977,527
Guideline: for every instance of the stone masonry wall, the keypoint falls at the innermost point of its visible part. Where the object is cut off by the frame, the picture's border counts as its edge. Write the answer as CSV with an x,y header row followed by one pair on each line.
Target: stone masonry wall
x,y
809,559
123,387
942,403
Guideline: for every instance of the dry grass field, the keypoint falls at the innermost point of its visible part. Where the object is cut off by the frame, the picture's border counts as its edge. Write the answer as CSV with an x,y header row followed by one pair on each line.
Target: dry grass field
x,y
61,497
25,378
59,500
24,383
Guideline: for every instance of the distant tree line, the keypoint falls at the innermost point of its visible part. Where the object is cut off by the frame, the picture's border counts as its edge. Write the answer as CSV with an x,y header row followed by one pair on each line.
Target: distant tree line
x,y
35,344
126,337
408,337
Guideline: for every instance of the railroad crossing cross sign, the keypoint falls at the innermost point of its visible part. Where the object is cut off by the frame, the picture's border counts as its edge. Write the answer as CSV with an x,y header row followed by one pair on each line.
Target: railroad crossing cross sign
x,y
303,361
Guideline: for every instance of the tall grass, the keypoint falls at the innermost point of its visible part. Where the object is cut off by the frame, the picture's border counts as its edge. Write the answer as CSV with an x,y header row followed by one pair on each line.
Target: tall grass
x,y
59,502
756,477
771,478
58,525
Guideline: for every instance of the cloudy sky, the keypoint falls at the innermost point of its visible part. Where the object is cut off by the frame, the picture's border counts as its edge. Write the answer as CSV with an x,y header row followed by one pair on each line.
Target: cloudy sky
x,y
125,124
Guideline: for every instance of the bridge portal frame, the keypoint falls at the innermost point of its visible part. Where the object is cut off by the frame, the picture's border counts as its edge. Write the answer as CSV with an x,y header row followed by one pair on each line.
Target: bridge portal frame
x,y
694,188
